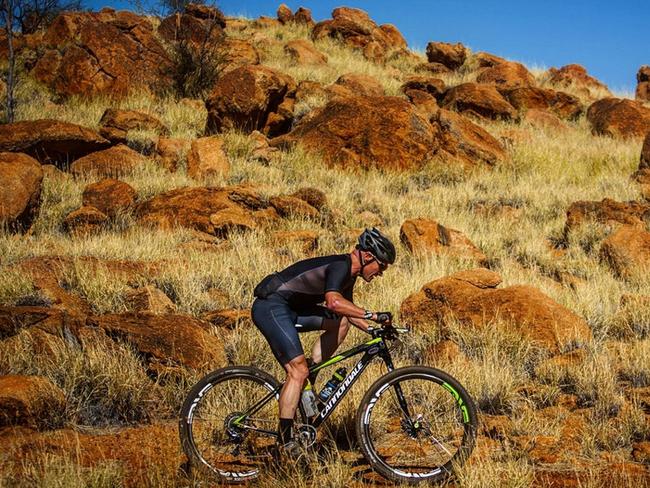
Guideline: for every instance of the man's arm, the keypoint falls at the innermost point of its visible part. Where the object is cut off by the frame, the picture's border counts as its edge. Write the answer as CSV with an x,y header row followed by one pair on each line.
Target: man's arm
x,y
337,303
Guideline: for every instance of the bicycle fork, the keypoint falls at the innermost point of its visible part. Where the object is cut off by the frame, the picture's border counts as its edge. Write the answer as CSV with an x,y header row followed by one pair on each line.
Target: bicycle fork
x,y
401,400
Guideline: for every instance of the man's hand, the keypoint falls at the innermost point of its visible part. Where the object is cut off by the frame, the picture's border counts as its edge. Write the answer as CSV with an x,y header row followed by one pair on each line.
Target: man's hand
x,y
383,318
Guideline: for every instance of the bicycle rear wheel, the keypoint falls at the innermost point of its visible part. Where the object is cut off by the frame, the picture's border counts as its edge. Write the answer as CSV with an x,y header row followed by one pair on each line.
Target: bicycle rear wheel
x,y
415,424
214,432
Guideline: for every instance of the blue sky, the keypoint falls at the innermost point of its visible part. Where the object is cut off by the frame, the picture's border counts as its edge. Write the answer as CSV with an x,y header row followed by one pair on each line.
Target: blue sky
x,y
611,39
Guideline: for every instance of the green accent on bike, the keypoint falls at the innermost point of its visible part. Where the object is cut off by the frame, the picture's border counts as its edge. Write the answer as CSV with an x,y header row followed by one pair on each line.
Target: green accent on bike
x,y
465,414
463,407
307,386
373,341
238,420
330,361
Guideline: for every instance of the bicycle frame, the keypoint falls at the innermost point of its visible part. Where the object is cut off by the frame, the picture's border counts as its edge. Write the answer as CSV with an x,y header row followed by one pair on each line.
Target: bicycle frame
x,y
370,349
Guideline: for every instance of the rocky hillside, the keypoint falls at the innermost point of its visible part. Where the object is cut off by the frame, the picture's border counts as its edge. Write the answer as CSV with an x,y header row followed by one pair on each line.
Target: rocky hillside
x,y
160,167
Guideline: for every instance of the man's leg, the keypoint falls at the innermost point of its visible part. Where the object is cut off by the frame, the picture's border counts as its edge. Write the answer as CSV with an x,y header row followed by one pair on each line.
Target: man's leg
x,y
331,339
297,372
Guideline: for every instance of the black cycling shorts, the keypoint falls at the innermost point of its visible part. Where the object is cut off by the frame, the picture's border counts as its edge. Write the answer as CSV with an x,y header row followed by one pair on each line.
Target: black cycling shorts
x,y
280,324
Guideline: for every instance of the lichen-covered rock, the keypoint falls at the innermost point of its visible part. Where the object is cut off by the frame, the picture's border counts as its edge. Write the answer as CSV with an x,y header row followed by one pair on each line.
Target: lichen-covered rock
x,y
463,141
149,299
303,52
357,84
85,221
20,191
576,76
356,30
170,152
561,104
643,84
355,131
107,52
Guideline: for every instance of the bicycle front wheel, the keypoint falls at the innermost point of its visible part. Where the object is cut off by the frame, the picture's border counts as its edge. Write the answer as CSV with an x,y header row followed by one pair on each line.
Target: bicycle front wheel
x,y
215,433
416,424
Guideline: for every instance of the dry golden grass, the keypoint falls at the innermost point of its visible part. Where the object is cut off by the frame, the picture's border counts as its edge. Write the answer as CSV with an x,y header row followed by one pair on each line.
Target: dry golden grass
x,y
547,171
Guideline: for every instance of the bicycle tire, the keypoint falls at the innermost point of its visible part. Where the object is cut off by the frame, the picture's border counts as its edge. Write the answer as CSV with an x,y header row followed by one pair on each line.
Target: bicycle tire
x,y
198,400
448,398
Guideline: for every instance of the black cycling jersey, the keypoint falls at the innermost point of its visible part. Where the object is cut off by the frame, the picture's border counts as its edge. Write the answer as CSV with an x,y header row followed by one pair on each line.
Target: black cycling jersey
x,y
293,306
307,281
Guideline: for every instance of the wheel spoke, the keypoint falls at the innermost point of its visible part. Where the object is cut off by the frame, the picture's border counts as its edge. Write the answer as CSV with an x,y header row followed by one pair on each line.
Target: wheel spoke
x,y
233,450
423,444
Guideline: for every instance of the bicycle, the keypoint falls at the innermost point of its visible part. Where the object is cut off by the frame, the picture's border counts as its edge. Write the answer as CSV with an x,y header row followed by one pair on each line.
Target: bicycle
x,y
414,424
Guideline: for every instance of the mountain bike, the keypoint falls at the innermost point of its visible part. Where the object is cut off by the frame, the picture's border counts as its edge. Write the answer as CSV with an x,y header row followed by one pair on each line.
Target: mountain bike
x,y
414,424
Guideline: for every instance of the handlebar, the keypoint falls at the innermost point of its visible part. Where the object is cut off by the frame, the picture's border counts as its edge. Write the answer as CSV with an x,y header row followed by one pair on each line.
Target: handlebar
x,y
389,331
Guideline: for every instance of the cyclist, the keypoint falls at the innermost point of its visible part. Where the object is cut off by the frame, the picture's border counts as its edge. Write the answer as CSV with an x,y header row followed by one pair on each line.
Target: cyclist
x,y
289,301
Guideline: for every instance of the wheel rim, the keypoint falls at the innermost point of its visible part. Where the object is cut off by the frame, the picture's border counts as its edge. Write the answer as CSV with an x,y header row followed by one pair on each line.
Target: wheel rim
x,y
221,439
434,436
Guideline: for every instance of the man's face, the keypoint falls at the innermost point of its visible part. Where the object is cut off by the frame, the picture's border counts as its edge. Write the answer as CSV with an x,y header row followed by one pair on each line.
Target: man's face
x,y
373,268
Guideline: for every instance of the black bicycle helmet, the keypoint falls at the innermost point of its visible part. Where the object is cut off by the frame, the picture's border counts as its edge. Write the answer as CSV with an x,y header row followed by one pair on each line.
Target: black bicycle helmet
x,y
378,244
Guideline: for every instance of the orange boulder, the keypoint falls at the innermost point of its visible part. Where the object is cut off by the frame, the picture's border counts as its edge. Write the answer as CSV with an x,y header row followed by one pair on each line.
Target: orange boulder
x,y
32,401
109,196
252,98
473,299
50,141
20,192
616,117
423,236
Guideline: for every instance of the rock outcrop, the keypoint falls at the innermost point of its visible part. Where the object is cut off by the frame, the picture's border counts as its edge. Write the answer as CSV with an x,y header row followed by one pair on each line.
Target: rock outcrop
x,y
356,30
107,52
627,251
356,131
20,191
608,212
424,236
32,401
643,84
211,210
177,339
478,100
304,53
507,74
616,117
115,124
576,77
109,196
562,104
252,98
114,162
473,299
451,56
460,140
50,141
207,158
